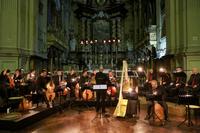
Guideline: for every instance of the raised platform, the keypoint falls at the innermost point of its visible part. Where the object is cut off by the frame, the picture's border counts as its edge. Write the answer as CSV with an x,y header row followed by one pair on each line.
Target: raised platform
x,y
19,119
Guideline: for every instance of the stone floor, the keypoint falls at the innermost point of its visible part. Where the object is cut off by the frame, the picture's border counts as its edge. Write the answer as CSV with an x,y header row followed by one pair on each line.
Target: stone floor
x,y
83,120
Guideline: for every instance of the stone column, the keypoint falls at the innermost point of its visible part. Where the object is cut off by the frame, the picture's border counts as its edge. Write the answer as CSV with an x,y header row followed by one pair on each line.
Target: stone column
x,y
83,31
114,37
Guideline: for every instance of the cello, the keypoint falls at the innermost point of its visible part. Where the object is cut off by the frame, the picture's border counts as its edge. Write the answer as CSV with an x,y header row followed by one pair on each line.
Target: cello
x,y
50,94
12,82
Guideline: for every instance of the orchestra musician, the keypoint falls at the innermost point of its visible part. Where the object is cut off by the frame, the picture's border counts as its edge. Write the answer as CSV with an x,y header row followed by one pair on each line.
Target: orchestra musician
x,y
178,85
101,78
158,92
194,81
112,83
18,80
131,93
165,80
165,77
151,75
72,82
84,82
42,81
31,81
4,85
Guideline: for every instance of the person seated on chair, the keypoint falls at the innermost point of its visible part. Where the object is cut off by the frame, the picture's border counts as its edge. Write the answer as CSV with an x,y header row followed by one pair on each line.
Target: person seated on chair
x,y
84,82
41,82
132,95
156,92
4,85
72,81
194,81
165,80
179,82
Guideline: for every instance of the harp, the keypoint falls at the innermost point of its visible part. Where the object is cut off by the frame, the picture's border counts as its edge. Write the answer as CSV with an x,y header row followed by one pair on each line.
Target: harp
x,y
120,110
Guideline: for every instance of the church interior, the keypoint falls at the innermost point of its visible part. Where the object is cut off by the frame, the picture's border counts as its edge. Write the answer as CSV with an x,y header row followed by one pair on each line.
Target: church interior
x,y
99,66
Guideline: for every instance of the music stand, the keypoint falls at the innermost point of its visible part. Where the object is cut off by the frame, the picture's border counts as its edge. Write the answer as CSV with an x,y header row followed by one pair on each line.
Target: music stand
x,y
153,98
186,100
100,88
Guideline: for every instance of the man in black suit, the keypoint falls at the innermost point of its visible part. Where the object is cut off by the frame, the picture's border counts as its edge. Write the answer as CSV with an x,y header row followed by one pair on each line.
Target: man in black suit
x,y
180,78
194,81
101,79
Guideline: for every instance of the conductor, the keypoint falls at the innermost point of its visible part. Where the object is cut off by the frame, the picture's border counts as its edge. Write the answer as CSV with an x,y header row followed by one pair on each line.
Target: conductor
x,y
101,78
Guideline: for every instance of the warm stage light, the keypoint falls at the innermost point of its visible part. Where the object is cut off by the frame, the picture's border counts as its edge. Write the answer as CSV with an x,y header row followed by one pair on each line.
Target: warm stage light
x,y
130,90
140,69
161,69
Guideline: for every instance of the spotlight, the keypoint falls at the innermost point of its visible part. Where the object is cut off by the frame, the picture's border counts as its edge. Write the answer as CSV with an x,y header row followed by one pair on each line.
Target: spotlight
x,y
130,90
161,69
140,69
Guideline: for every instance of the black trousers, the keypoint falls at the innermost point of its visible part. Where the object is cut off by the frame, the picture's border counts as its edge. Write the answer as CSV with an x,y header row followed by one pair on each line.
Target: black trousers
x,y
100,100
